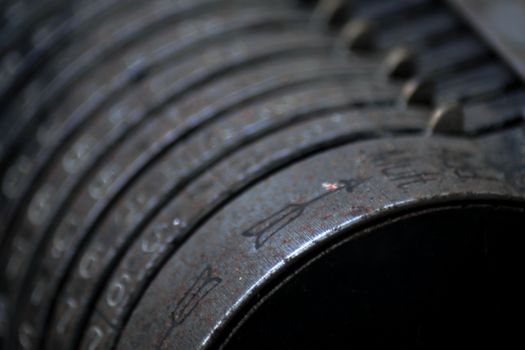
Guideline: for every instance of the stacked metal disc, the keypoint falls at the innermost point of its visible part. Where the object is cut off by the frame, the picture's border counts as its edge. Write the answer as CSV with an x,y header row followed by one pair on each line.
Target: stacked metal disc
x,y
216,173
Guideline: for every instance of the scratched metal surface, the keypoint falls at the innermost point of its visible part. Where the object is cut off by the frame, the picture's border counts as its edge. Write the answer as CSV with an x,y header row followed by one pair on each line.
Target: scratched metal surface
x,y
223,181
165,161
86,204
196,152
226,261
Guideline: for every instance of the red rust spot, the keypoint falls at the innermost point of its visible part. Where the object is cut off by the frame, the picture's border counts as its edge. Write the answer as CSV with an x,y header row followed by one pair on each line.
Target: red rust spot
x,y
330,186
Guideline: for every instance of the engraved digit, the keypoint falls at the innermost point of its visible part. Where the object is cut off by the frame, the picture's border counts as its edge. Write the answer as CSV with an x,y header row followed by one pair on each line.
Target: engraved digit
x,y
117,290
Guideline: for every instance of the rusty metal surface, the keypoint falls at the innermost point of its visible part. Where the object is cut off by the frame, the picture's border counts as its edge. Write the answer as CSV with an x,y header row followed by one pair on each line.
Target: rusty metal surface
x,y
297,209
166,163
124,216
502,23
220,183
83,200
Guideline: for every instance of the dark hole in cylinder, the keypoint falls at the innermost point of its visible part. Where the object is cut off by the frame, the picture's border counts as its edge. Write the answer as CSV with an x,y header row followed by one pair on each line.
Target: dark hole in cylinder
x,y
451,277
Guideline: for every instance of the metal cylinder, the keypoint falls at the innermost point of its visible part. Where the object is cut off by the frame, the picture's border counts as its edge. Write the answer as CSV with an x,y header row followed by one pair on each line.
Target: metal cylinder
x,y
256,173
